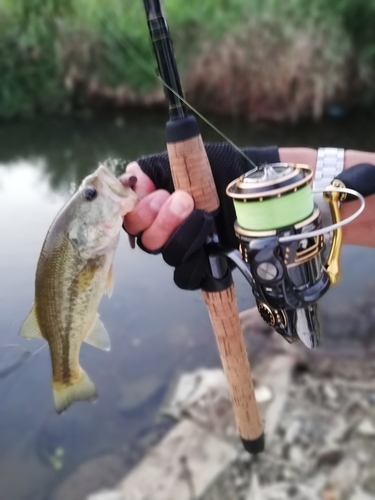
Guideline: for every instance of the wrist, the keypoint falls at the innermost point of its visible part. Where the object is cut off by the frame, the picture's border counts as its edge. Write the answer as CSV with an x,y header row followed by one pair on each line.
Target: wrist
x,y
307,156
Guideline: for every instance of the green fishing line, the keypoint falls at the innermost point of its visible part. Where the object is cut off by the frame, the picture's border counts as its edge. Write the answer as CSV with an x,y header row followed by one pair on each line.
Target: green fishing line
x,y
274,213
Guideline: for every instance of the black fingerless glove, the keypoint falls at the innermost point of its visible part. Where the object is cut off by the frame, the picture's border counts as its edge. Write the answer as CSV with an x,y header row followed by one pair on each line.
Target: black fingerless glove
x,y
226,164
184,250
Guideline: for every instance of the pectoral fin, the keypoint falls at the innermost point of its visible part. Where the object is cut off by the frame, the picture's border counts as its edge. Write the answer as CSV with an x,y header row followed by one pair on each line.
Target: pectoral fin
x,y
30,328
109,284
98,336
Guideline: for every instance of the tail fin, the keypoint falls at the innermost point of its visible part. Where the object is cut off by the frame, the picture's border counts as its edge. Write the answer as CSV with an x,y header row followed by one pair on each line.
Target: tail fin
x,y
65,394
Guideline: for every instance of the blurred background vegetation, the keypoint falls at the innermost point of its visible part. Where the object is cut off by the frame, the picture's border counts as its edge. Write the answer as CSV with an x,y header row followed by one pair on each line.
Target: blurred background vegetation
x,y
279,60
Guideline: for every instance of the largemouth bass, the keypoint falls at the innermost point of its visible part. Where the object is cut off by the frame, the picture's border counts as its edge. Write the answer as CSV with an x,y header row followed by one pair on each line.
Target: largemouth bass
x,y
73,272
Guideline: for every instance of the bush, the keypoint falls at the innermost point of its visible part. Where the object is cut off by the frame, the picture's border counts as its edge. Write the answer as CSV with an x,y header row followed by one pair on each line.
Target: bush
x,y
30,75
254,58
282,65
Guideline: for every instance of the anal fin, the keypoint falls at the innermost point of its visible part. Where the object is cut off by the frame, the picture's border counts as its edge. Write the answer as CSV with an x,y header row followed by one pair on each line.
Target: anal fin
x,y
98,336
109,284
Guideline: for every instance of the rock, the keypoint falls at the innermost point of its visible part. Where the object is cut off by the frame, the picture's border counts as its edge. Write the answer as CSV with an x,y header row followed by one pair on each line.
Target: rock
x,y
307,492
364,457
277,491
92,476
366,428
255,490
239,482
289,474
344,476
201,387
369,483
338,431
105,495
330,455
244,457
297,456
330,392
359,494
279,378
186,464
330,494
292,432
263,394
203,396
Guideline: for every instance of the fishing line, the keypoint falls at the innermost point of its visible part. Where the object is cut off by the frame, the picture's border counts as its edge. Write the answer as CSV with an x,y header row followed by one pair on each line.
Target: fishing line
x,y
273,213
40,348
139,59
26,351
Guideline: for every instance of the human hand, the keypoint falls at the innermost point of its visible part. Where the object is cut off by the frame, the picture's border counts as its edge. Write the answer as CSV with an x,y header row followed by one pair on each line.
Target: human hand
x,y
158,213
165,220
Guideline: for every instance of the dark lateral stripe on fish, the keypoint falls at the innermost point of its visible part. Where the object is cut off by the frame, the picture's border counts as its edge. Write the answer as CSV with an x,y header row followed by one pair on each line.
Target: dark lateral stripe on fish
x,y
66,371
82,281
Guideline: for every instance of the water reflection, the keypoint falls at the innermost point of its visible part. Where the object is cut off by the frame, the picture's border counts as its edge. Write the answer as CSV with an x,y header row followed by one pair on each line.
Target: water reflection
x,y
147,345
156,329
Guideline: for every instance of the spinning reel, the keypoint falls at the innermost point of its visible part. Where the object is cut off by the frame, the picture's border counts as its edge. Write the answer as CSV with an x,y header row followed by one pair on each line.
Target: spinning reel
x,y
283,245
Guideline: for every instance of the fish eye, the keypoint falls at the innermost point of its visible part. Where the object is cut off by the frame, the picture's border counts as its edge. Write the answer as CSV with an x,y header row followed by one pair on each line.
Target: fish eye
x,y
90,194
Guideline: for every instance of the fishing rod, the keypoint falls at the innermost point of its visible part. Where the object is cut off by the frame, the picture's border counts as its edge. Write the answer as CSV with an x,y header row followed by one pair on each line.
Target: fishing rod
x,y
192,173
287,255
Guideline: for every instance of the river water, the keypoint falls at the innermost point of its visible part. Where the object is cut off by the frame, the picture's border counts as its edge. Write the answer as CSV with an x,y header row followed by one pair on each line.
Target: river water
x,y
157,330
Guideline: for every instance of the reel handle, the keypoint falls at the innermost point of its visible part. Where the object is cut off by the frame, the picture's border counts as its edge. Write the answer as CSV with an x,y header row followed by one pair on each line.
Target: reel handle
x,y
191,172
360,178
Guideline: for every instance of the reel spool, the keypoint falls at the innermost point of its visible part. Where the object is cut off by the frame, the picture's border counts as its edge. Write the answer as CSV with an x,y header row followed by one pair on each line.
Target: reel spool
x,y
276,225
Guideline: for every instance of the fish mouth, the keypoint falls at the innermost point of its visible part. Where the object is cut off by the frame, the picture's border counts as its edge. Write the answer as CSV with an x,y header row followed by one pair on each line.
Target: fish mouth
x,y
111,181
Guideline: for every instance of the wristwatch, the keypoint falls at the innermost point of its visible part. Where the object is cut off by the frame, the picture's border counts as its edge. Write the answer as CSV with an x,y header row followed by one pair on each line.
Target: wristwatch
x,y
329,164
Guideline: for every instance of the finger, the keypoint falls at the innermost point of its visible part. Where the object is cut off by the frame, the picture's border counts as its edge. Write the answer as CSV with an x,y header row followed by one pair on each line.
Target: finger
x,y
144,184
175,210
130,181
145,212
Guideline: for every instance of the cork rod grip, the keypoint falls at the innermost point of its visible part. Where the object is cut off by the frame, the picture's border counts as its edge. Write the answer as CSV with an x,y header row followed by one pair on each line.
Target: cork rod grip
x,y
191,172
222,307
